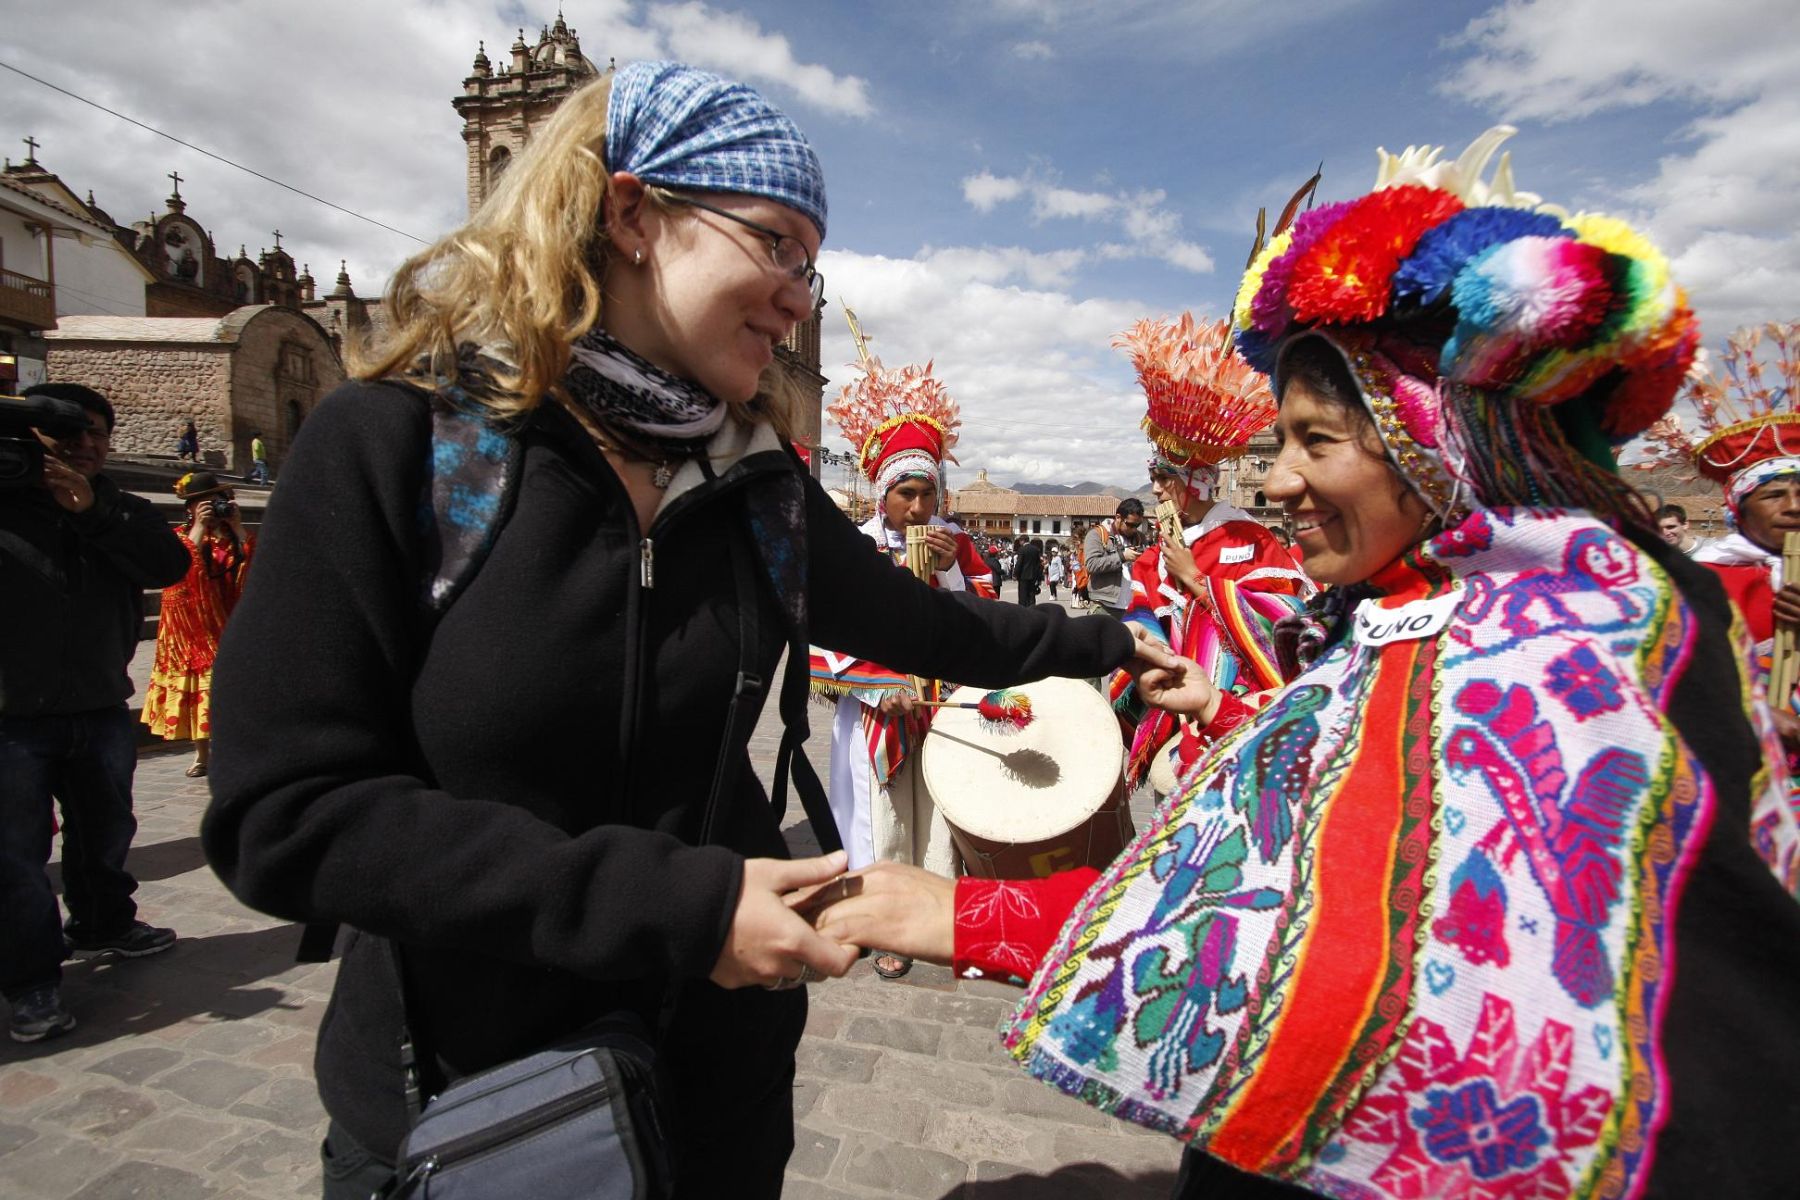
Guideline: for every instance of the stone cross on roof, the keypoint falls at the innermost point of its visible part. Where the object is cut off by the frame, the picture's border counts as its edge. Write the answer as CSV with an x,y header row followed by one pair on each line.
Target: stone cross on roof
x,y
31,145
178,182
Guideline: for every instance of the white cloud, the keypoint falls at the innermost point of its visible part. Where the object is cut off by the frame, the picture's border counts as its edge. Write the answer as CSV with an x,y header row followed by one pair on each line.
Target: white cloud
x,y
1049,203
1033,51
737,46
362,117
1160,30
1722,205
985,190
1150,230
1044,395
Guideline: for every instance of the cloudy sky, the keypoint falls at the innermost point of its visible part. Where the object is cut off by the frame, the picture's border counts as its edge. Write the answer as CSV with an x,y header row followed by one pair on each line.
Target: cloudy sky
x,y
1012,181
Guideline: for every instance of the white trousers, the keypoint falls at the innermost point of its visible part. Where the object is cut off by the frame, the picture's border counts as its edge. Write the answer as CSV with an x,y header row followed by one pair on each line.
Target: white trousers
x,y
896,823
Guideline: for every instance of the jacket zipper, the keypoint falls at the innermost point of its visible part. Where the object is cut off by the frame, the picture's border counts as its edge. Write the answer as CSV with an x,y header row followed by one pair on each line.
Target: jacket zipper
x,y
636,620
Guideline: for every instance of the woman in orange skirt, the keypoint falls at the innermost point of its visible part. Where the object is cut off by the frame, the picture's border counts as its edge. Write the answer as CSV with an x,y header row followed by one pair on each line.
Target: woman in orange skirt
x,y
178,704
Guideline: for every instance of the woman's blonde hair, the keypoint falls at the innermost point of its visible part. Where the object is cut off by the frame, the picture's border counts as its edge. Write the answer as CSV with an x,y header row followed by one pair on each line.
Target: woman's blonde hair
x,y
522,279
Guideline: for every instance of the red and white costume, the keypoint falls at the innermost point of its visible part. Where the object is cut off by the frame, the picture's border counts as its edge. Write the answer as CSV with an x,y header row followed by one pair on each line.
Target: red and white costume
x,y
904,425
1204,405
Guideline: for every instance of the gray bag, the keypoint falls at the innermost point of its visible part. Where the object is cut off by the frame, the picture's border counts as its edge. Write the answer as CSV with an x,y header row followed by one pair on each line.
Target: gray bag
x,y
576,1119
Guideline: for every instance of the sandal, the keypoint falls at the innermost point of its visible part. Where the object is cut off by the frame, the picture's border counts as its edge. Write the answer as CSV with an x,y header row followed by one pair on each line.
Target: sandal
x,y
197,771
892,966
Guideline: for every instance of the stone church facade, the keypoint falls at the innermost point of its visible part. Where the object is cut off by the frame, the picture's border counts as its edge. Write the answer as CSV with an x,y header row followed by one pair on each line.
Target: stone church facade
x,y
258,369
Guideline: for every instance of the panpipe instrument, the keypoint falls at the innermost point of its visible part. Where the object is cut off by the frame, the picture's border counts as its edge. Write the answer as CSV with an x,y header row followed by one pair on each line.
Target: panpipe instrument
x,y
919,558
922,563
1786,663
1168,522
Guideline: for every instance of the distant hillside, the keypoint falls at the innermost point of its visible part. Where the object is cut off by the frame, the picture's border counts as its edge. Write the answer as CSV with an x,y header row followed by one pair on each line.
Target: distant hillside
x,y
1086,488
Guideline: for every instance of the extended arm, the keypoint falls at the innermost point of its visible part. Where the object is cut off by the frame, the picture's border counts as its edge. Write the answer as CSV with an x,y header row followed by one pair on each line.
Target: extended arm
x,y
864,605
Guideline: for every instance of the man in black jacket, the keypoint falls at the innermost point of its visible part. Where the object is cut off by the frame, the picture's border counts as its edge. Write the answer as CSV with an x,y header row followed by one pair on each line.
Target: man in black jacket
x,y
76,554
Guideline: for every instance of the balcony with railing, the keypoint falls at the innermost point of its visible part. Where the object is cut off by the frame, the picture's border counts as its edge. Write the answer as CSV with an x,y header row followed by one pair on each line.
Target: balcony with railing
x,y
26,301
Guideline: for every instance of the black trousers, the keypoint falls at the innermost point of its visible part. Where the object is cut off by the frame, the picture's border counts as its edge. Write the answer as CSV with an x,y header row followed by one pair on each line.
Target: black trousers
x,y
85,760
1204,1177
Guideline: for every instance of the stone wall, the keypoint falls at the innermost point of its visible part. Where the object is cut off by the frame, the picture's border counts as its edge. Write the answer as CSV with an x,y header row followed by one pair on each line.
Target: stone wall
x,y
154,389
283,366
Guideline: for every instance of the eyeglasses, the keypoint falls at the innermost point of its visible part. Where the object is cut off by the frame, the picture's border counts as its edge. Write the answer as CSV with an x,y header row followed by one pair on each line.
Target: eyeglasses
x,y
788,254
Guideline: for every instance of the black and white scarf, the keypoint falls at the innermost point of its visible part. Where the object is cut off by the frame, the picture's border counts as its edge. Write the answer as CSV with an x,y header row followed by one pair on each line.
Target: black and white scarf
x,y
638,400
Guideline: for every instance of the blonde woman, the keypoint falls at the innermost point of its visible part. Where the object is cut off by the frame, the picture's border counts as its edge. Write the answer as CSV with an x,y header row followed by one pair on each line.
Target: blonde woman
x,y
513,793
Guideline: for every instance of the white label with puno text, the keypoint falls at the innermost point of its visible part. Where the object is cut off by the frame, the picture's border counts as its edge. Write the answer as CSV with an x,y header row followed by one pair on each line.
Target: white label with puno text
x,y
1377,626
1236,554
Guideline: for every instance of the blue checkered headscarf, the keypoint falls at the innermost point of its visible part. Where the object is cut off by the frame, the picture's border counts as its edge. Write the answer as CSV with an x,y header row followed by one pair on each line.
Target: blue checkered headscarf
x,y
678,127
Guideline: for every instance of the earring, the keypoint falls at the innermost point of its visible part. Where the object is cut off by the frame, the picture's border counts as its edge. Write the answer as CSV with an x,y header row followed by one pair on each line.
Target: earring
x,y
637,257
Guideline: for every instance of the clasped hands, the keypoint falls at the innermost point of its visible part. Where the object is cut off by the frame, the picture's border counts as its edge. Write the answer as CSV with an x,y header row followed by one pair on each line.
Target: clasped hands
x,y
806,919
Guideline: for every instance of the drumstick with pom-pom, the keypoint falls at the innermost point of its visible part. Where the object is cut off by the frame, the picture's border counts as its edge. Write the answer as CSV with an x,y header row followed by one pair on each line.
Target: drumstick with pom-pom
x,y
1004,709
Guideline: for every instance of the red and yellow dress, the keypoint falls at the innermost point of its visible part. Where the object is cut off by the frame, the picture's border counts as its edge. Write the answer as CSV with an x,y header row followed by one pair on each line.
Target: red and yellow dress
x,y
178,702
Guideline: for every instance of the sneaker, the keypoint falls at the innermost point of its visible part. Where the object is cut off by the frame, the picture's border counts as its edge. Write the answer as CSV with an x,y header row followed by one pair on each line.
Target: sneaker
x,y
135,942
39,1014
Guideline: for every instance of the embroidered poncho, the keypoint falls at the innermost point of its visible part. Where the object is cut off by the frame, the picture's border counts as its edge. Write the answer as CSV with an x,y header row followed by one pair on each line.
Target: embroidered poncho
x,y
1412,930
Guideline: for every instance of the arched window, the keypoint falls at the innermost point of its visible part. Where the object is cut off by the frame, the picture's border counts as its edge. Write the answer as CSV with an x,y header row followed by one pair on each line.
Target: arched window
x,y
499,158
1260,501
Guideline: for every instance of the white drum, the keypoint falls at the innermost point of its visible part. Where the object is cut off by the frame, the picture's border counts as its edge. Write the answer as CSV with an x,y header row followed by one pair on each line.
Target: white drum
x,y
1025,803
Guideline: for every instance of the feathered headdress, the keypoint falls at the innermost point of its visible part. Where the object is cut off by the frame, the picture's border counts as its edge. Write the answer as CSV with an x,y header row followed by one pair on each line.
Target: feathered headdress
x,y
1205,401
1519,299
901,421
1749,415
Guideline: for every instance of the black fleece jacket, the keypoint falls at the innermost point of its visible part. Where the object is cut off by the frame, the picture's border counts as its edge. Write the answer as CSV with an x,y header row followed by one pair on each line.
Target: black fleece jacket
x,y
72,596
465,791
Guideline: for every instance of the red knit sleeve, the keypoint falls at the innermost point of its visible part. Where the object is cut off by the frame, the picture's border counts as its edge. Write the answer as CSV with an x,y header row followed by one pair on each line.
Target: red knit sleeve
x,y
1004,927
1231,713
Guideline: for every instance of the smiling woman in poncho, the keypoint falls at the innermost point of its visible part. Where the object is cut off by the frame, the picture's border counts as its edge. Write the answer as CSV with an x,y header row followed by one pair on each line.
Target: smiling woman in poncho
x,y
1471,908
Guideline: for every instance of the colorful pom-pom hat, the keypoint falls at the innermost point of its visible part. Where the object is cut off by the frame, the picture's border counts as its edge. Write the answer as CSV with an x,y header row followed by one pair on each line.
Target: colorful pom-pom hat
x,y
1439,277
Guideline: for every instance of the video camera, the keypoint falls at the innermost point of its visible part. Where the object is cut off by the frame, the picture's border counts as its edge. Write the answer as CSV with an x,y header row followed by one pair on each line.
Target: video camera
x,y
21,454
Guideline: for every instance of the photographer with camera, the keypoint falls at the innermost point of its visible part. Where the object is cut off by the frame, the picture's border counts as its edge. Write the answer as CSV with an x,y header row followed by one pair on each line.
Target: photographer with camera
x,y
178,702
76,553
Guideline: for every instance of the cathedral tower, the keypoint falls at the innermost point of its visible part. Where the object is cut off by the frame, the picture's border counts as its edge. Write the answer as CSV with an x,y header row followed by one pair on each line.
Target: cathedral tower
x,y
501,108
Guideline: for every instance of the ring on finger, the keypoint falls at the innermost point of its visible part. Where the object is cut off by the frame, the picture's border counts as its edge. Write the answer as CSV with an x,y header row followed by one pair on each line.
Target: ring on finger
x,y
784,983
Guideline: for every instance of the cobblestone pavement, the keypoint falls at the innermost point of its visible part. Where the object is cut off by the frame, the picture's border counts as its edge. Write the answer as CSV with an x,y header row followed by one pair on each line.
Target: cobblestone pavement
x,y
190,1074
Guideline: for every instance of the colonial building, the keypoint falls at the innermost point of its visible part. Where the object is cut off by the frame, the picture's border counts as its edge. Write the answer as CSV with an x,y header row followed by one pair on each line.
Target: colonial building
x,y
985,508
1700,497
258,369
1242,480
502,105
58,256
192,279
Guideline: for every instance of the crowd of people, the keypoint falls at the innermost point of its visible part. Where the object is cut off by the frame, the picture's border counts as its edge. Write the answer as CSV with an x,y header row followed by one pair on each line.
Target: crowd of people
x,y
1477,870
